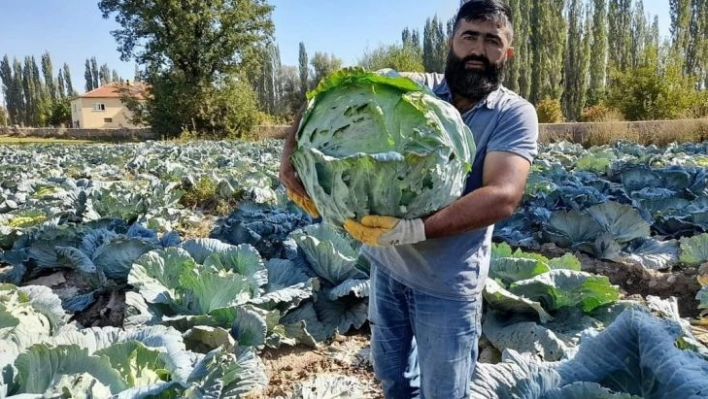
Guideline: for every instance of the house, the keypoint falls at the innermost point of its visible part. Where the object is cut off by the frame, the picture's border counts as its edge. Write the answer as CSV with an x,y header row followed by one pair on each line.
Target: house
x,y
102,108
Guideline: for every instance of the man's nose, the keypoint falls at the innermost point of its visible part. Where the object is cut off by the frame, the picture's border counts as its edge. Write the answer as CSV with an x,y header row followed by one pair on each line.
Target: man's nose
x,y
476,47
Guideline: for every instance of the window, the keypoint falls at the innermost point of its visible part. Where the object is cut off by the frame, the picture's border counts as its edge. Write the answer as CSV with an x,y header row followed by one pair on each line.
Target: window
x,y
108,120
99,107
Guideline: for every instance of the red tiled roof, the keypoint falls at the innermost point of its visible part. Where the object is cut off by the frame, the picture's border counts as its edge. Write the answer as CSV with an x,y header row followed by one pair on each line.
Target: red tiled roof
x,y
111,90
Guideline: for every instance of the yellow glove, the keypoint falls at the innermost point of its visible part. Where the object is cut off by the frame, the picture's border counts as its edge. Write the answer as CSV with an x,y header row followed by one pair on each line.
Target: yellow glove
x,y
386,230
303,202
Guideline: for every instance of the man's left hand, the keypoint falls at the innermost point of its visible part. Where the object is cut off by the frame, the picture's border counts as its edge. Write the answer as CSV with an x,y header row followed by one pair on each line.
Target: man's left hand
x,y
386,230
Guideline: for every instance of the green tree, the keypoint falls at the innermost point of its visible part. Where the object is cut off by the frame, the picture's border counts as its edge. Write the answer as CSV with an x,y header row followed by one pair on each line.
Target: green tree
x,y
304,69
515,64
403,58
322,65
4,118
61,84
20,117
264,79
548,38
61,112
104,75
115,77
434,45
70,92
598,56
10,90
48,72
95,74
88,76
192,52
576,63
291,99
653,90
619,29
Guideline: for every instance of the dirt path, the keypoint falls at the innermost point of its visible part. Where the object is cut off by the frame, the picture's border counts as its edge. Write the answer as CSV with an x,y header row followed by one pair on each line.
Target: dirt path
x,y
347,356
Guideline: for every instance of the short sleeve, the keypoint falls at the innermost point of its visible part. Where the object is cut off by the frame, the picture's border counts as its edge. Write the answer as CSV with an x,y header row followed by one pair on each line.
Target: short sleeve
x,y
517,131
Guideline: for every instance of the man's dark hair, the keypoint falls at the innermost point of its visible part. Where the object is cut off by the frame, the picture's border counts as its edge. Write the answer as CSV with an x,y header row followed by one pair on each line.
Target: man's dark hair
x,y
496,11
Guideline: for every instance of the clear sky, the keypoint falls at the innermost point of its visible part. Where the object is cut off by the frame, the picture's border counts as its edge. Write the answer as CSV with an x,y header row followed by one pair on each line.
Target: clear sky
x,y
73,30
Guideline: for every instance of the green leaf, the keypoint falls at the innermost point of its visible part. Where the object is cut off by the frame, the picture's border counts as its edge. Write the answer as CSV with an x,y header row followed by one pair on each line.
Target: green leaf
x,y
137,364
499,298
207,291
243,259
561,288
694,250
156,275
622,221
513,269
41,366
568,262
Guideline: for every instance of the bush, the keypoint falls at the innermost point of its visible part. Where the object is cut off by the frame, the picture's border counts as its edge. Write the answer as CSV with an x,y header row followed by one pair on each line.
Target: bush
x,y
600,113
549,111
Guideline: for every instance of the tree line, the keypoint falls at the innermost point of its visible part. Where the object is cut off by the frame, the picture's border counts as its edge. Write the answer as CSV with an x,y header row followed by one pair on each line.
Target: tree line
x,y
574,55
37,95
214,68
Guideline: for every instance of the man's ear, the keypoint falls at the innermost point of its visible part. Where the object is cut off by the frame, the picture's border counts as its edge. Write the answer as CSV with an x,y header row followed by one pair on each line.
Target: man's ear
x,y
510,53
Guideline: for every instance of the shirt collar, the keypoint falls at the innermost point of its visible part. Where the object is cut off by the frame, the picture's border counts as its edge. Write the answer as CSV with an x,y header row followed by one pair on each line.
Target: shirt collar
x,y
491,100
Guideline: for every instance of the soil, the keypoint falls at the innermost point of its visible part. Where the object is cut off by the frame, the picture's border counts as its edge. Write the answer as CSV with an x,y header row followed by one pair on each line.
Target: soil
x,y
346,355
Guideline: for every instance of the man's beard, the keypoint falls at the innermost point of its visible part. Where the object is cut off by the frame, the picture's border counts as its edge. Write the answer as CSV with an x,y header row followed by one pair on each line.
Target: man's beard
x,y
473,83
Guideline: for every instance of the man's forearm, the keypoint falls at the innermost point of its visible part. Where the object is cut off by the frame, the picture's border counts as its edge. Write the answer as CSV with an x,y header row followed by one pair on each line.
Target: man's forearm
x,y
480,208
290,138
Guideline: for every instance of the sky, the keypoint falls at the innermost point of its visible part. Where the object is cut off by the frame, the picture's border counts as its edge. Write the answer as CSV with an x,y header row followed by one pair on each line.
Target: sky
x,y
74,30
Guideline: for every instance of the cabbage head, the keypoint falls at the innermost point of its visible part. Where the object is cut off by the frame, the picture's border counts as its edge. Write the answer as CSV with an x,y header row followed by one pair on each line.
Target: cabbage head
x,y
380,144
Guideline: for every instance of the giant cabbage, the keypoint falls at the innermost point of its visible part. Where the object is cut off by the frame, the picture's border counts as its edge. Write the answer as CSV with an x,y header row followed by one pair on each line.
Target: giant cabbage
x,y
375,143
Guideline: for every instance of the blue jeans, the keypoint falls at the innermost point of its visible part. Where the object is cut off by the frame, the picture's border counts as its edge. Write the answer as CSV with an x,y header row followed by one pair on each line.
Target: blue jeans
x,y
422,346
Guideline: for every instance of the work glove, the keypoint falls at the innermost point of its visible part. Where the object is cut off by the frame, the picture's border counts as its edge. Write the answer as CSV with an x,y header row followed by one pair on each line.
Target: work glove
x,y
303,202
386,230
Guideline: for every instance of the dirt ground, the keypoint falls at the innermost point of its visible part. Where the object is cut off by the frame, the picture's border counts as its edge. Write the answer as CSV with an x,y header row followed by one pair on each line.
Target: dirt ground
x,y
347,355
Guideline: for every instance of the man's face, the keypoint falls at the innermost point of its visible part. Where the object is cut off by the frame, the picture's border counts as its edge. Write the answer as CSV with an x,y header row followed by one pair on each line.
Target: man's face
x,y
478,54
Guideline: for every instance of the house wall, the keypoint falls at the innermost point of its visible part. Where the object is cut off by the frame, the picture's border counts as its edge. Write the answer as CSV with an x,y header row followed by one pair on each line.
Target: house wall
x,y
87,114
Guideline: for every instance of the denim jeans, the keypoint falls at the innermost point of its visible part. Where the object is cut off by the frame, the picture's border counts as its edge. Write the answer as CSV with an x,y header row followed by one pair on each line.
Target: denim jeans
x,y
422,346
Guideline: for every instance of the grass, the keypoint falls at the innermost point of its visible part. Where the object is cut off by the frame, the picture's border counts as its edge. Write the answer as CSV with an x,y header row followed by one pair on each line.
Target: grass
x,y
41,140
659,133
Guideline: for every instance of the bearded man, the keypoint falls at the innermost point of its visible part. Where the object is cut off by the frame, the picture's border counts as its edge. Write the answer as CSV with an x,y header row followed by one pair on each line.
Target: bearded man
x,y
428,274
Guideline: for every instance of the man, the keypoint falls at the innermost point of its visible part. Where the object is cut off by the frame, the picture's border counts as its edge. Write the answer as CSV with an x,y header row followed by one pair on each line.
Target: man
x,y
428,274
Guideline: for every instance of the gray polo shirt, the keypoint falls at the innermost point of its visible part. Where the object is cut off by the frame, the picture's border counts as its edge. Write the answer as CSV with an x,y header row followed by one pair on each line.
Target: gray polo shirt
x,y
456,267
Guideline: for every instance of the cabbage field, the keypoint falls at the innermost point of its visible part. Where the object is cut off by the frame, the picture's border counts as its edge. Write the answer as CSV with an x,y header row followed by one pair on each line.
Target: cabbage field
x,y
181,270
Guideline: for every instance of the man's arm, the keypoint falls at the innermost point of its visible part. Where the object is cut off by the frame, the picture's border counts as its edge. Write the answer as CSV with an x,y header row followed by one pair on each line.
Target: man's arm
x,y
287,175
504,180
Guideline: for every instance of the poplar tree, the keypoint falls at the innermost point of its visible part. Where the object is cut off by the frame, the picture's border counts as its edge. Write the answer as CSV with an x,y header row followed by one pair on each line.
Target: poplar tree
x,y
48,72
70,92
61,85
598,56
304,70
575,65
95,74
88,76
